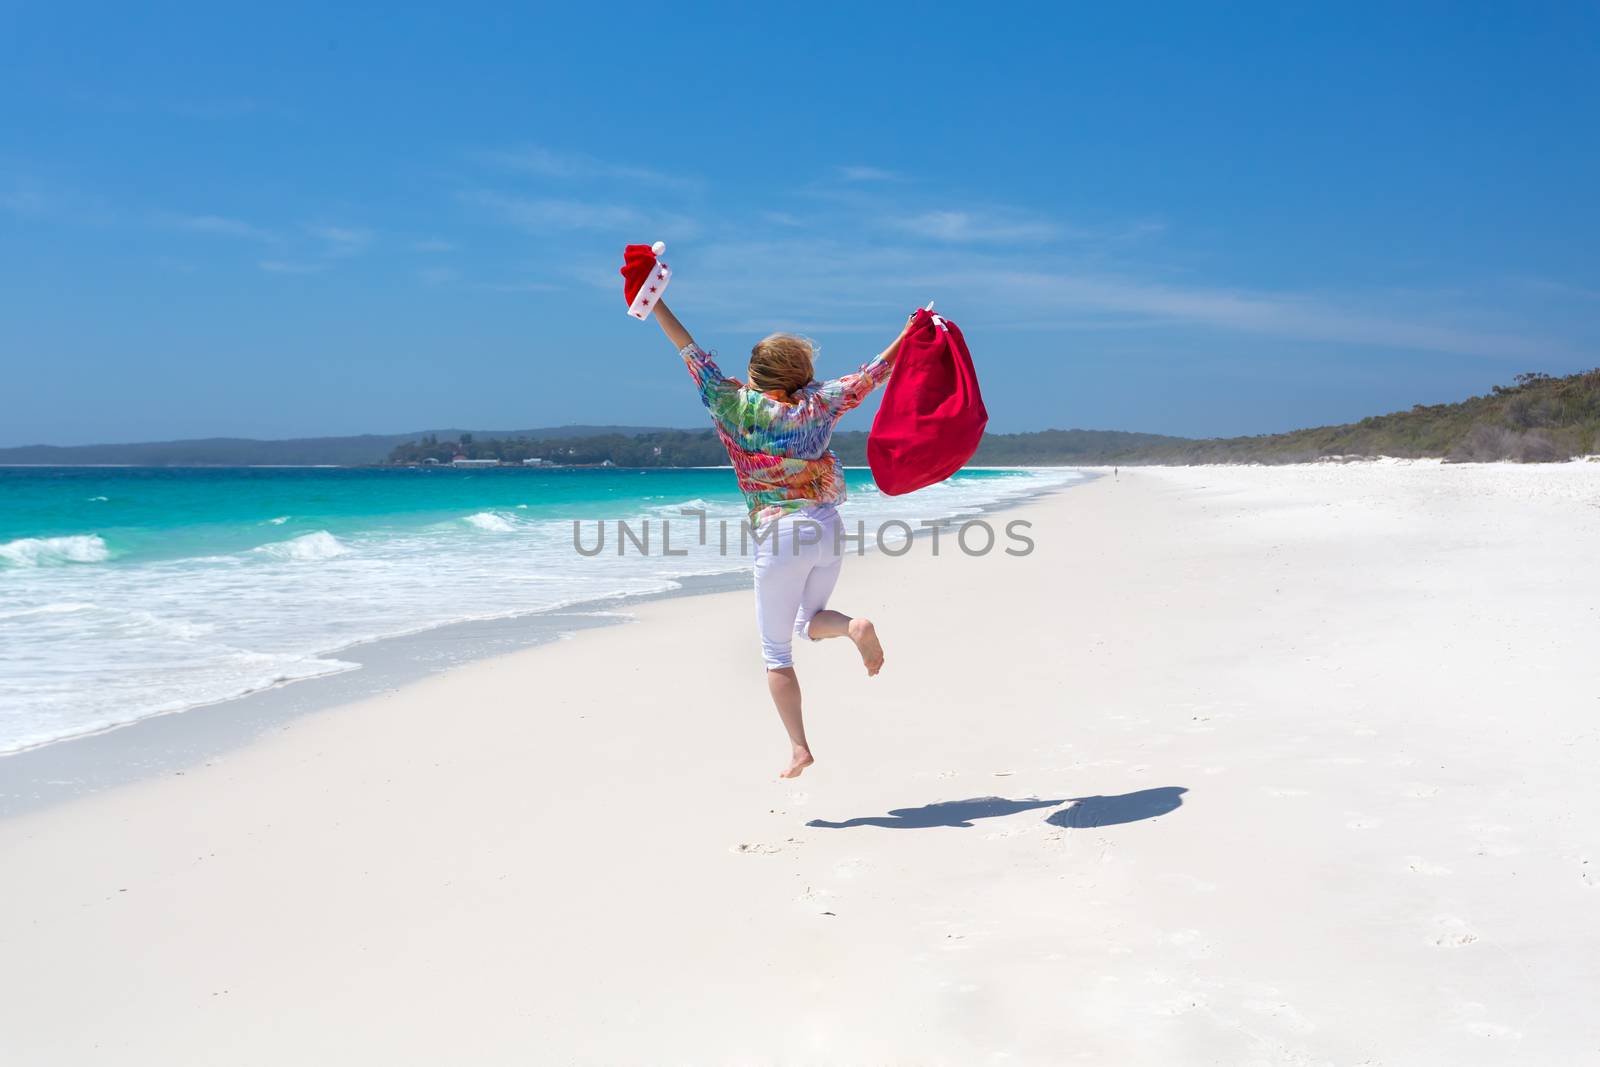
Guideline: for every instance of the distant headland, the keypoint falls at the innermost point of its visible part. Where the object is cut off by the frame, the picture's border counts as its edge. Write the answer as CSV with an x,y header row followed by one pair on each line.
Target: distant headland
x,y
1538,418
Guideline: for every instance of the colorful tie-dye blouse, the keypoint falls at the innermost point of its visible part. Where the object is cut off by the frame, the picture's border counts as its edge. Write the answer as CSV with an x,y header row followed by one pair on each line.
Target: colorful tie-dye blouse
x,y
779,448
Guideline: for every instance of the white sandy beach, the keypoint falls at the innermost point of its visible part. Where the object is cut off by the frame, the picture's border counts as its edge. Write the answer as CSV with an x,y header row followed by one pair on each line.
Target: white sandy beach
x,y
1337,727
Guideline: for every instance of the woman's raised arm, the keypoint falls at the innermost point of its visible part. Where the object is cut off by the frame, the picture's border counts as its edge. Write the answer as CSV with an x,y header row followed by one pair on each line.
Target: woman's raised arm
x,y
671,326
717,391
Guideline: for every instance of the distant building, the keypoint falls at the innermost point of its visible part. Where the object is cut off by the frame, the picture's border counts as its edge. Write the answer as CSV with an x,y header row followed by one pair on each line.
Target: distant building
x,y
463,461
537,462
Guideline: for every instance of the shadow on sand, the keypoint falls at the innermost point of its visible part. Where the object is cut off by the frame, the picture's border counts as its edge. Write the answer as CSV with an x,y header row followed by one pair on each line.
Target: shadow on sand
x,y
1127,807
1085,811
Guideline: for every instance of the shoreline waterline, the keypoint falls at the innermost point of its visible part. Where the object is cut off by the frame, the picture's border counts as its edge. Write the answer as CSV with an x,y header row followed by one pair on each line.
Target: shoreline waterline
x,y
60,768
136,594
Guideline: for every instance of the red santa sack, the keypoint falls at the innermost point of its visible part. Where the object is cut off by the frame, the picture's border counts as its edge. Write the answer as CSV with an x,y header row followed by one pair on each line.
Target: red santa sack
x,y
932,416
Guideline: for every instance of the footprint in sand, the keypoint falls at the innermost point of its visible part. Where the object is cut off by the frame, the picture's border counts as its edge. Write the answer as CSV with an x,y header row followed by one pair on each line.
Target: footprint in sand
x,y
761,848
1181,1004
1418,865
1420,791
1193,942
817,901
1586,873
1191,883
1453,933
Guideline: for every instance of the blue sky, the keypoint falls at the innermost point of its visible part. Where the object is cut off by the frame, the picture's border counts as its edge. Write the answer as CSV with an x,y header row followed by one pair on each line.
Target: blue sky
x,y
283,221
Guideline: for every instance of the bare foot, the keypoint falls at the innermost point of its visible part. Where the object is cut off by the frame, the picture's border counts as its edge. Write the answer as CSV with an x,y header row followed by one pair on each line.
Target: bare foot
x,y
802,760
865,635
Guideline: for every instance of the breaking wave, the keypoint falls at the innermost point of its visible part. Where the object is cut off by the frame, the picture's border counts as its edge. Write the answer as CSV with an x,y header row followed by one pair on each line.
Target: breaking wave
x,y
488,520
48,551
306,547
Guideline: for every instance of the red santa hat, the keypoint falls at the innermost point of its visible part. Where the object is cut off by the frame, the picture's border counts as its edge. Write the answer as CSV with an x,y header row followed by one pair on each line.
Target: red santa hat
x,y
644,277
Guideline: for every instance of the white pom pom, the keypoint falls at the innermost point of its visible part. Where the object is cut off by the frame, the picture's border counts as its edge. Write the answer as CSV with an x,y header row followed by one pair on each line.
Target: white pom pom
x,y
659,247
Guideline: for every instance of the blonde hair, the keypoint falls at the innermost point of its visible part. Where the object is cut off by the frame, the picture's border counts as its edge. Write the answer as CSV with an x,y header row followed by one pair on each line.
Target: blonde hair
x,y
782,363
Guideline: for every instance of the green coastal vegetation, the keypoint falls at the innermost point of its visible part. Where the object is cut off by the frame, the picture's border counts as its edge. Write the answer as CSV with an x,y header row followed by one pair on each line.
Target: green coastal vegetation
x,y
1537,419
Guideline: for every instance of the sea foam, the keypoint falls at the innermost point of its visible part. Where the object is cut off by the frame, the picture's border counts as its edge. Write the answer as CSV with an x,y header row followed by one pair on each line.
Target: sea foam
x,y
488,520
306,547
64,608
46,551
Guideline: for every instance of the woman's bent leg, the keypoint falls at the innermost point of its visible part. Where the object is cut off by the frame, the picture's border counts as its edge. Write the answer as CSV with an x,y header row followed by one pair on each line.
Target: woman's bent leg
x,y
826,624
818,623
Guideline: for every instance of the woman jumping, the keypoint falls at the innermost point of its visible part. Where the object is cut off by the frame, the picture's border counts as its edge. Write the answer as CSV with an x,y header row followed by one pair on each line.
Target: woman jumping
x,y
776,431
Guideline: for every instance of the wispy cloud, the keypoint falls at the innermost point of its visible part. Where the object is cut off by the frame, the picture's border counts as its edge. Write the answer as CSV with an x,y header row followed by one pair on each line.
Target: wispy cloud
x,y
548,214
962,227
866,174
218,226
1290,316
1105,275
341,240
846,281
577,166
1139,231
1550,287
541,214
29,203
50,198
280,266
438,275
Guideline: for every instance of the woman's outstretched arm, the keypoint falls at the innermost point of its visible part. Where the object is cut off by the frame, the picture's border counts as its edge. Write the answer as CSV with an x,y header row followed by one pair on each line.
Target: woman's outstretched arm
x,y
671,326
842,394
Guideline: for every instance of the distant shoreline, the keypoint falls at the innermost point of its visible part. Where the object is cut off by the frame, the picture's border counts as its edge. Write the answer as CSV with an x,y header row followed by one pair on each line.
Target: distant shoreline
x,y
1538,419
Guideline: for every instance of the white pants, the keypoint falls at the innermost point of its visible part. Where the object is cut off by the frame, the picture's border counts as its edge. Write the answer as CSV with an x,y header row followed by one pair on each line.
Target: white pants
x,y
797,565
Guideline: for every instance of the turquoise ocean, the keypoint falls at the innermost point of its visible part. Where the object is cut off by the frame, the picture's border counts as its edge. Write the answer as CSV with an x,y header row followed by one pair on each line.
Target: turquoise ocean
x,y
132,592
